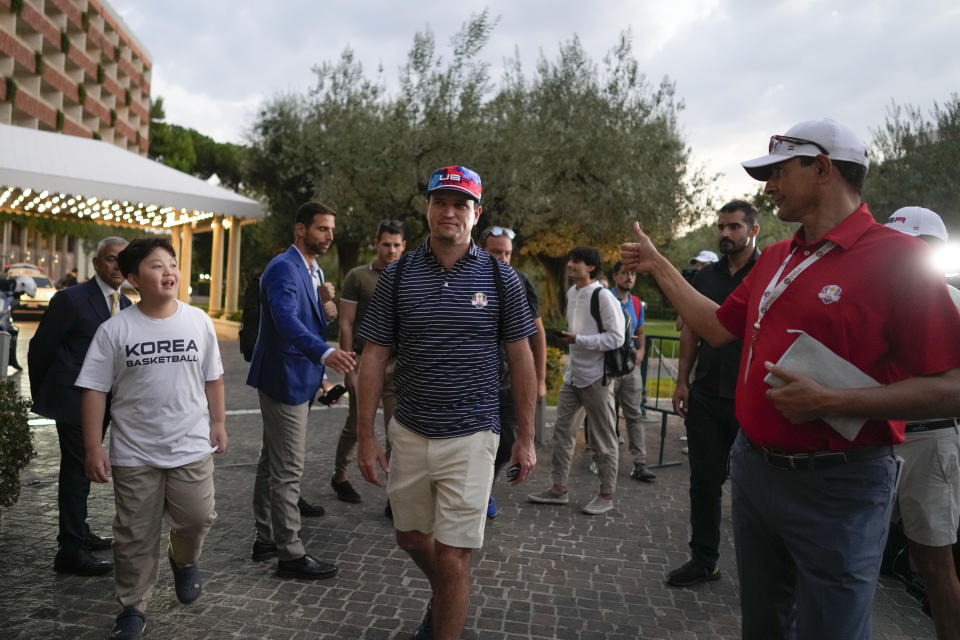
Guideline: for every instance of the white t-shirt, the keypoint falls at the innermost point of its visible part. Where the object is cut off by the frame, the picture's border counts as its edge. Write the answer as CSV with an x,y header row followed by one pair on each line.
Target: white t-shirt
x,y
156,369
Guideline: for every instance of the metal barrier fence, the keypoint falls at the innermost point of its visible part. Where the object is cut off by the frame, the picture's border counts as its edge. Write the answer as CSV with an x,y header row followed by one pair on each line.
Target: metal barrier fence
x,y
659,372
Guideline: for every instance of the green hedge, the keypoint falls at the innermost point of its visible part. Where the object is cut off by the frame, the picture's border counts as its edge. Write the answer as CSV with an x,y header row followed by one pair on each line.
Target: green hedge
x,y
16,442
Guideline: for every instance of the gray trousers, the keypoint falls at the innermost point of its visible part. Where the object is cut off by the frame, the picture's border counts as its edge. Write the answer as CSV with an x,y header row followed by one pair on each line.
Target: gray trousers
x,y
597,400
628,391
347,445
277,487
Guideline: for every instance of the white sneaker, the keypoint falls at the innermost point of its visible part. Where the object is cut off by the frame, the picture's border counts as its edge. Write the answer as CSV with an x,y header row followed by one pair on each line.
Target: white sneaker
x,y
597,506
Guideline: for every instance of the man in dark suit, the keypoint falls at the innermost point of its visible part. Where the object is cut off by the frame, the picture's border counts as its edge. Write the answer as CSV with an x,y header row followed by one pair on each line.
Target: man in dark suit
x,y
287,371
54,360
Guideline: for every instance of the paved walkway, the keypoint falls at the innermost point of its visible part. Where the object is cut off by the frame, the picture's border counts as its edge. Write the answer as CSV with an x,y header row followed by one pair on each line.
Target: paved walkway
x,y
544,572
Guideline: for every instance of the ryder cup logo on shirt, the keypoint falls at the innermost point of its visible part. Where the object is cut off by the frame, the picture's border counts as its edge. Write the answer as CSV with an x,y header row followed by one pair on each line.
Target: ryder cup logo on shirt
x,y
479,300
829,294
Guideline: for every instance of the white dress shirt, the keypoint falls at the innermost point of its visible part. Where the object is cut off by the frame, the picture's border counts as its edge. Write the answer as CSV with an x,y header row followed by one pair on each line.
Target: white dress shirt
x,y
317,276
107,291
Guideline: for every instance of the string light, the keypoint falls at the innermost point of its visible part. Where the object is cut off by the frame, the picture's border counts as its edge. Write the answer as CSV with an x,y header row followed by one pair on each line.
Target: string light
x,y
150,217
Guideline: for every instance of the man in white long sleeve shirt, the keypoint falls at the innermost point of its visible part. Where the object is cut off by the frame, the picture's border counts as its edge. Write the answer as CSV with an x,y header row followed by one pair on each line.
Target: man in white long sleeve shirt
x,y
583,382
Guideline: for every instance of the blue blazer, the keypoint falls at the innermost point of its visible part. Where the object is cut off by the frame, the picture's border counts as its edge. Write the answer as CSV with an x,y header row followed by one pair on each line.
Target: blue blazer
x,y
59,346
286,359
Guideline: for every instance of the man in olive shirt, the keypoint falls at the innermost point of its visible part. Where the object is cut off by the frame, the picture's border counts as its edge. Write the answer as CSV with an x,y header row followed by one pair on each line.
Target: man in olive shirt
x,y
358,288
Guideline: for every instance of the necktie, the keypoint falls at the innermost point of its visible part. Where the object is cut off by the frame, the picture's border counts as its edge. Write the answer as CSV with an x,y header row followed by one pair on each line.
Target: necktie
x,y
114,303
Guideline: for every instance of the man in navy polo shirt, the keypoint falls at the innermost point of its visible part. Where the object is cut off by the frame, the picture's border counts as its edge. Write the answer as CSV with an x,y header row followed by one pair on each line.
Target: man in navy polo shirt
x,y
810,506
448,310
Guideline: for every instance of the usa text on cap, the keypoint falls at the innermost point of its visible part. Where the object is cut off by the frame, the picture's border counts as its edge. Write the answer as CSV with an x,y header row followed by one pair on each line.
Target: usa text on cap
x,y
918,221
458,178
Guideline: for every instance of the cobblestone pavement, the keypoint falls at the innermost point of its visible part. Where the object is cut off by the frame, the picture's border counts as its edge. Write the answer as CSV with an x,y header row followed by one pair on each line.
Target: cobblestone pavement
x,y
544,571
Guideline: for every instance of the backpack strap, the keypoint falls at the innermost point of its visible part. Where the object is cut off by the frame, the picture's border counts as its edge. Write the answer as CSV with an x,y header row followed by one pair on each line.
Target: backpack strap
x,y
595,312
595,308
637,307
501,296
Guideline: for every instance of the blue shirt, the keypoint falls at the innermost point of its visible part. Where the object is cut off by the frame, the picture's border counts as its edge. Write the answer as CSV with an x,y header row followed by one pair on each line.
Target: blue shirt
x,y
631,309
447,373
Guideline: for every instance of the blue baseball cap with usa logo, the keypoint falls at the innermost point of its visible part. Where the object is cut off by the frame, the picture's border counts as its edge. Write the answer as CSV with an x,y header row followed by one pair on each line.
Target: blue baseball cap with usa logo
x,y
458,178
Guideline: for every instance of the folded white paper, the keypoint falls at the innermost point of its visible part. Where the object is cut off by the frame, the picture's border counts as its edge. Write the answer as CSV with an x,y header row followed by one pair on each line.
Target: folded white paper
x,y
809,357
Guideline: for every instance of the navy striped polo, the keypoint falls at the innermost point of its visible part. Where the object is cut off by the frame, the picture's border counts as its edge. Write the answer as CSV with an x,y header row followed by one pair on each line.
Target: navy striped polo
x,y
447,375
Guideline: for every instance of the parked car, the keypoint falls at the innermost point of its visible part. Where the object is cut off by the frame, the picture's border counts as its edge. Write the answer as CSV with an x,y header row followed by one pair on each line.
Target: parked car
x,y
38,302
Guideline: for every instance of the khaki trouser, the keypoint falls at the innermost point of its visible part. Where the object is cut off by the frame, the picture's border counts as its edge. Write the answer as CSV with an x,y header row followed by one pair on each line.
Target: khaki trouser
x,y
276,490
597,400
628,391
143,497
347,445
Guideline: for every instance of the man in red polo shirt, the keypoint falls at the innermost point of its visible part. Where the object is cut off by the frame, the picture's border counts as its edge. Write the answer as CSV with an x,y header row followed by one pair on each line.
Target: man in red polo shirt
x,y
810,507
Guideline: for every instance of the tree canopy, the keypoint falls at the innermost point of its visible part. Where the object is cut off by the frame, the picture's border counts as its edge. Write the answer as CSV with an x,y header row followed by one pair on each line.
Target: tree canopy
x,y
192,152
918,162
571,154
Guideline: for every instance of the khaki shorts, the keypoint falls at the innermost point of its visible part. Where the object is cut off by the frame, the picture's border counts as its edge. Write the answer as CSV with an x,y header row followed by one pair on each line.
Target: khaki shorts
x,y
929,500
441,485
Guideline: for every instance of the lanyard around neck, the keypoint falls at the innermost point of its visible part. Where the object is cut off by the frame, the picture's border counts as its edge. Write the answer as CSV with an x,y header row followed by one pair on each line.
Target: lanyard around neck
x,y
776,287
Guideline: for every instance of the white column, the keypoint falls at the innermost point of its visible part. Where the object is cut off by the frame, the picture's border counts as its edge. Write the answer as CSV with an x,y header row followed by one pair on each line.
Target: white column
x,y
233,265
56,266
186,258
5,254
24,240
68,261
216,266
175,241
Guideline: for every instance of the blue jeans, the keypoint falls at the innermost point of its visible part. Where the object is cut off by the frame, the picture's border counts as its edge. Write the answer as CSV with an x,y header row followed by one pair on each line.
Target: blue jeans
x,y
809,545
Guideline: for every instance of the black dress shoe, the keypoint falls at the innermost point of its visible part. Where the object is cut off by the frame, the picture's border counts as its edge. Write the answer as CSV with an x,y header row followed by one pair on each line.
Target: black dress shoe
x,y
307,567
345,491
263,551
425,630
641,472
93,542
308,510
80,562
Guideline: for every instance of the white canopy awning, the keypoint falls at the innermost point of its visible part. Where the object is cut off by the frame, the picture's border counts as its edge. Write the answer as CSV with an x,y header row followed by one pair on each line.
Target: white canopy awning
x,y
95,180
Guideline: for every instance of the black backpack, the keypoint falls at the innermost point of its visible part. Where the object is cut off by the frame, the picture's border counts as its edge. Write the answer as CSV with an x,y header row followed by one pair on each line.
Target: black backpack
x,y
250,320
622,360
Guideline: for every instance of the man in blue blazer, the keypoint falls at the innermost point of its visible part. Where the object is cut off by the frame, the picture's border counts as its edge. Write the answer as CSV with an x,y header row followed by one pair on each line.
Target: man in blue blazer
x,y
54,360
287,370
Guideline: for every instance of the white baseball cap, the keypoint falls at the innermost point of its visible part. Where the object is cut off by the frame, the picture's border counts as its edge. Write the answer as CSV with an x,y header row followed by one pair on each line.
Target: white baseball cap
x,y
704,256
917,221
810,139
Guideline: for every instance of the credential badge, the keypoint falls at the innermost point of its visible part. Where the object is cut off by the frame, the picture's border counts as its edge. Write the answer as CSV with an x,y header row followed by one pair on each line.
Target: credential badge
x,y
829,294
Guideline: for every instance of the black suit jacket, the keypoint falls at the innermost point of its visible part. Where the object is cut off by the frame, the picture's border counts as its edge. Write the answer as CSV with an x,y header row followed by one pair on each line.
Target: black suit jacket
x,y
59,346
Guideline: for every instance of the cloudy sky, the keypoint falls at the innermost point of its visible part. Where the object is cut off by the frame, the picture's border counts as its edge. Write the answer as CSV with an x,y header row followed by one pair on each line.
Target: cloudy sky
x,y
744,69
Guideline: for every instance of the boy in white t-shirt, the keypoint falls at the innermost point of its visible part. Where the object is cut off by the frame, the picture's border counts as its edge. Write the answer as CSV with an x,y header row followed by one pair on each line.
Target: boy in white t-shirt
x,y
161,362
